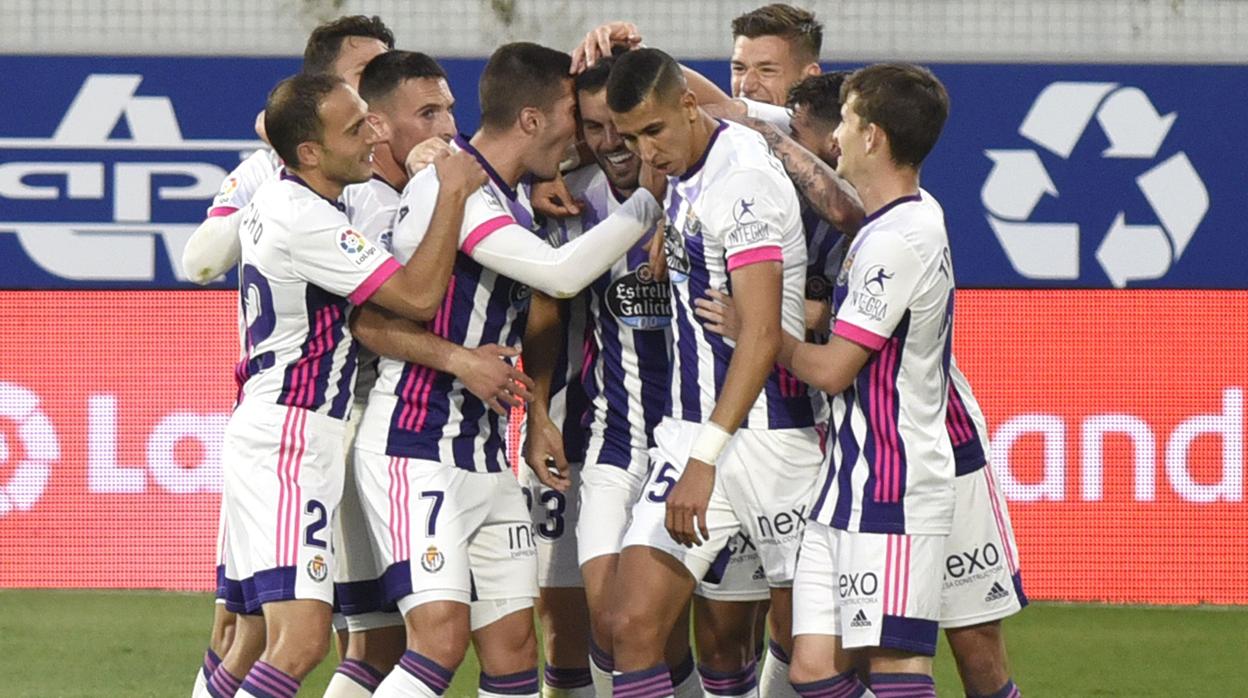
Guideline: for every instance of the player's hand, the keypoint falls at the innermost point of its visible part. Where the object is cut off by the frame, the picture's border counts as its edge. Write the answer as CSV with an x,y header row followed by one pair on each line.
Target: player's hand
x,y
424,154
719,313
552,199
544,448
658,251
687,504
459,172
486,373
818,315
653,181
598,42
733,109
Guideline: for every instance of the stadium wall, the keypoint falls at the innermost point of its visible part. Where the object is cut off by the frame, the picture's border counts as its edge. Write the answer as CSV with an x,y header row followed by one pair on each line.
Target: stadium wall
x,y
1093,208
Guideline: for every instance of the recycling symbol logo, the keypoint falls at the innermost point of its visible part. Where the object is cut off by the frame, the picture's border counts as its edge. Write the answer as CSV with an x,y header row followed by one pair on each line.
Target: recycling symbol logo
x,y
1049,250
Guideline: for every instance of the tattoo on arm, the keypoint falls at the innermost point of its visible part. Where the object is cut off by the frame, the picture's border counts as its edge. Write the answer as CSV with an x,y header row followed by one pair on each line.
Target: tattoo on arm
x,y
831,197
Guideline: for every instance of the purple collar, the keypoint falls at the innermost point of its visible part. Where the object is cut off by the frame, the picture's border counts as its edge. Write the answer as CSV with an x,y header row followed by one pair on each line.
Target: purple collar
x,y
888,207
291,176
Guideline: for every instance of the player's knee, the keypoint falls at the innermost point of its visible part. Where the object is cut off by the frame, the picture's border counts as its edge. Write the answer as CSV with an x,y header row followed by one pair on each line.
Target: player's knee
x,y
980,655
298,653
723,652
632,627
805,669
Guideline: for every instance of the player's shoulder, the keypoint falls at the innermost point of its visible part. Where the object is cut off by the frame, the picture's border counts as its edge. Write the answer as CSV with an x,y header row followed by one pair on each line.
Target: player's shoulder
x,y
742,161
294,205
918,220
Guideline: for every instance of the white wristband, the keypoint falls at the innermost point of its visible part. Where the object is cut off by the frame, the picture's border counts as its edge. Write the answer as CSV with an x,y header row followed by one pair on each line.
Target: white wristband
x,y
710,443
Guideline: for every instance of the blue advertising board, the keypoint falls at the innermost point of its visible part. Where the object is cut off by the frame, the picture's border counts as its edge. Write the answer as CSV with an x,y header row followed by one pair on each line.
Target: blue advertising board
x,y
1050,175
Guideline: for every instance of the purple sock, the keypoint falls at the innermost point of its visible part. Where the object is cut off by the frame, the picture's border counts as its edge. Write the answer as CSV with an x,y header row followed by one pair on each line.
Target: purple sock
x,y
434,675
903,686
844,685
778,652
360,672
521,683
647,683
223,684
1009,690
266,681
567,679
730,683
601,658
211,662
683,670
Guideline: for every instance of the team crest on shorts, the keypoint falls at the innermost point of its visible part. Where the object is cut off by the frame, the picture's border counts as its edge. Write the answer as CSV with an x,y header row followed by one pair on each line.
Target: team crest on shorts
x,y
318,569
432,560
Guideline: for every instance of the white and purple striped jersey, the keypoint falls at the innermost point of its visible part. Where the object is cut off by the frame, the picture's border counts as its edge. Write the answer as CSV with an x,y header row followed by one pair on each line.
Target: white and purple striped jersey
x,y
825,250
242,183
891,463
303,266
626,375
964,420
734,207
415,411
371,207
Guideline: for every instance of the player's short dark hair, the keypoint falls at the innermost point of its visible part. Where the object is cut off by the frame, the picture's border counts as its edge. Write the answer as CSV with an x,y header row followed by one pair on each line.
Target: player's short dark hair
x,y
819,96
326,40
793,24
638,74
518,76
594,78
388,70
906,101
292,114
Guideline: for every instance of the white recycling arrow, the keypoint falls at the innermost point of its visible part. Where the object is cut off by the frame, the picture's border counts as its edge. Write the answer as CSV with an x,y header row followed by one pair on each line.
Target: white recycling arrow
x,y
1132,124
1040,250
1061,112
1178,197
1133,252
1017,182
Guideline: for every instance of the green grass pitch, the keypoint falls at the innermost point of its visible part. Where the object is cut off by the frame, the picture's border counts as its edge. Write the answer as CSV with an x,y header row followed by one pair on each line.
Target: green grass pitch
x,y
97,643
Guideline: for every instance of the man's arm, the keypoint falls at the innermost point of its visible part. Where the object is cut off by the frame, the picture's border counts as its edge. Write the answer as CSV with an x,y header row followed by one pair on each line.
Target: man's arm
x,y
831,367
832,198
416,289
484,370
759,291
213,249
543,336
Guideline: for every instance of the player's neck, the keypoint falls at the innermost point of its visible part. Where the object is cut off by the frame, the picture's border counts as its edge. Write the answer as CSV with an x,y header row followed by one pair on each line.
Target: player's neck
x,y
386,166
319,183
502,153
703,127
880,189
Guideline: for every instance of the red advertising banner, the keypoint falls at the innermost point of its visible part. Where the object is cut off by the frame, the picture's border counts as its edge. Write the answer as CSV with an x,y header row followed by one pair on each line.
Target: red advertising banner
x,y
1117,420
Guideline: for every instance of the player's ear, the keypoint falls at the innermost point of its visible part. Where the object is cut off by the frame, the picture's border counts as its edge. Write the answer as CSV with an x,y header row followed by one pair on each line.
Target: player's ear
x,y
381,125
309,153
875,138
812,69
689,103
531,120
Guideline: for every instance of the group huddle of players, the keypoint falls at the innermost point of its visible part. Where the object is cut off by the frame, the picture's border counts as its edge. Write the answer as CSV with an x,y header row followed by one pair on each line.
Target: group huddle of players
x,y
743,412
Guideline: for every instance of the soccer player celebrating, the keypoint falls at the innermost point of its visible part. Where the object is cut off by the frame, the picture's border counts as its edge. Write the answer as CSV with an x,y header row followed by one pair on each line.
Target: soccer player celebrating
x,y
303,265
449,518
629,317
732,221
875,544
773,48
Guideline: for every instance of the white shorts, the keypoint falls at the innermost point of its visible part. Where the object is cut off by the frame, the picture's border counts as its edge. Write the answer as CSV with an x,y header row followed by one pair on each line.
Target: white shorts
x,y
358,594
736,574
229,591
609,491
763,487
554,515
871,589
447,534
283,474
982,581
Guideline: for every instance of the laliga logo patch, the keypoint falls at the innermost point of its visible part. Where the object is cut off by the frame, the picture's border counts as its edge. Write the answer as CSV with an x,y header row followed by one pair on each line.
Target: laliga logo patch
x,y
318,569
352,242
432,560
227,189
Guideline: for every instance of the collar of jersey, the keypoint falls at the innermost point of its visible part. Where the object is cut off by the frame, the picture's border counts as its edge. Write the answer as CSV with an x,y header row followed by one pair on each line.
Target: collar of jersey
x,y
888,207
697,166
462,141
291,176
386,182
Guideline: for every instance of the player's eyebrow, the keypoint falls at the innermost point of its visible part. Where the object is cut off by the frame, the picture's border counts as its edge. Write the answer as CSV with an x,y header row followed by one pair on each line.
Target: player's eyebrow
x,y
354,125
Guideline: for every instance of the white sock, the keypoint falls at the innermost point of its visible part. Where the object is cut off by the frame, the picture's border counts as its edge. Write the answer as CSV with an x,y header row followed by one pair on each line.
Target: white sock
x,y
602,679
487,694
773,678
342,687
200,690
400,684
691,687
589,691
